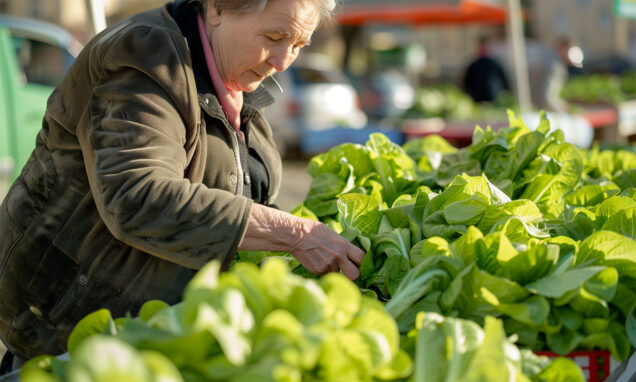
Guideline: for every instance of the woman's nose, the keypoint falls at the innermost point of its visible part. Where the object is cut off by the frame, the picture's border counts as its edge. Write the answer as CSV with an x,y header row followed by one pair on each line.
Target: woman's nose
x,y
282,58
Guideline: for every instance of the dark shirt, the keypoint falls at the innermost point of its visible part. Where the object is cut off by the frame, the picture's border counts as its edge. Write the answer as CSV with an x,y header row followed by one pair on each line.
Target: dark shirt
x,y
485,80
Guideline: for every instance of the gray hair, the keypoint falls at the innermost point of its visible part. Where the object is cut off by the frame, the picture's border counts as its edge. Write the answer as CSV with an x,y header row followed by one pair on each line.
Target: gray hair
x,y
325,7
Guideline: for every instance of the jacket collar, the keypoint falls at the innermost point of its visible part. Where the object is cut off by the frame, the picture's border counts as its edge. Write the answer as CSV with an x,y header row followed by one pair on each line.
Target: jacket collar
x,y
184,13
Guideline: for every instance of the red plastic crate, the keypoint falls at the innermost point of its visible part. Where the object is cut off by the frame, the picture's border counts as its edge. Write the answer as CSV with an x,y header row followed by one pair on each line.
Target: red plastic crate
x,y
594,363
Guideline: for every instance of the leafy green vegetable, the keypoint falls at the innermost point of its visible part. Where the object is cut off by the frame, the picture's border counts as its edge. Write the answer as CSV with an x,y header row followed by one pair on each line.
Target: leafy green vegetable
x,y
451,349
520,224
246,324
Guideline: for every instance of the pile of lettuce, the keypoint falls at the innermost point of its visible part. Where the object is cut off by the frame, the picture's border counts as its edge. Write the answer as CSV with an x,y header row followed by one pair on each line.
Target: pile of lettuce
x,y
264,325
592,88
519,239
243,325
451,103
452,349
520,225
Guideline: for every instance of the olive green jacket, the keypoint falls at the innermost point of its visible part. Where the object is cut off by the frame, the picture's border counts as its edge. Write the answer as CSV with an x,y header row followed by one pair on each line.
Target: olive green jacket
x,y
110,210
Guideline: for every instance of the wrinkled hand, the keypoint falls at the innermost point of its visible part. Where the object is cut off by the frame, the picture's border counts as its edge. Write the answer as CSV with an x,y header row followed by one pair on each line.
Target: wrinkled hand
x,y
321,250
316,246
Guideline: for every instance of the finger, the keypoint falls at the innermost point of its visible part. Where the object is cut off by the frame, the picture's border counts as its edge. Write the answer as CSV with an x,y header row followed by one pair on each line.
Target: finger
x,y
355,254
325,262
348,268
332,265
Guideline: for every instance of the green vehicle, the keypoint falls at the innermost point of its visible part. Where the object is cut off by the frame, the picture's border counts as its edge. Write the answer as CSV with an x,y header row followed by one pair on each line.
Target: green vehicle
x,y
34,57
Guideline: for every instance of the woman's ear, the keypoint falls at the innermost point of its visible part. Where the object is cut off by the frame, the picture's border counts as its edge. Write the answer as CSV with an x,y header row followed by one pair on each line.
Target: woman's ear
x,y
213,13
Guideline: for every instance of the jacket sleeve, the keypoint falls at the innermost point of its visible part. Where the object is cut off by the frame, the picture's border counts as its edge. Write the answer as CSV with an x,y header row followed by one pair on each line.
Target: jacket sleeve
x,y
132,139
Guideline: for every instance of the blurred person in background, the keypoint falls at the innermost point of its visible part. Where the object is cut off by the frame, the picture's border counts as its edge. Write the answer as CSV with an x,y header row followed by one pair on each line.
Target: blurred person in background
x,y
546,71
571,56
485,79
548,74
154,158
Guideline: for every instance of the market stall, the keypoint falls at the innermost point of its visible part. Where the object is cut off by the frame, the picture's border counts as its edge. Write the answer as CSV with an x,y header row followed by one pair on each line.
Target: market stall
x,y
519,246
450,12
512,258
610,123
359,12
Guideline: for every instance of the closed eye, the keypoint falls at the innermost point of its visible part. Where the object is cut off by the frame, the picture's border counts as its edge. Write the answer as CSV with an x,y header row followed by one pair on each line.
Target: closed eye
x,y
274,37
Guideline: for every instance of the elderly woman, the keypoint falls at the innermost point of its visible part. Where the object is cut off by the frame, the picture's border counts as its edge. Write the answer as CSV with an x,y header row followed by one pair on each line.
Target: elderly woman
x,y
154,158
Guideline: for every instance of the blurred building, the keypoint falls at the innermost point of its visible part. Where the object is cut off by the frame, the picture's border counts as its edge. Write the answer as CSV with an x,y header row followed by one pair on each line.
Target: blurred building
x,y
432,39
445,48
72,14
118,9
608,42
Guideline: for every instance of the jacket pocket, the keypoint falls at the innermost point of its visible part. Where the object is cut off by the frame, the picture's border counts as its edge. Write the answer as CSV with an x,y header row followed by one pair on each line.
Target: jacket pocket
x,y
87,242
35,290
88,290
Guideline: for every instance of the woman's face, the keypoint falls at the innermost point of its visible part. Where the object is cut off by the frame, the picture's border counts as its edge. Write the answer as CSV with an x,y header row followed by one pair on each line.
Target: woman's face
x,y
249,47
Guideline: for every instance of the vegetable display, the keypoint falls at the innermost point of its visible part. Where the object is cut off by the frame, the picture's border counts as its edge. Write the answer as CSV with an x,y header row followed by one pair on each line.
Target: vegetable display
x,y
595,88
520,225
243,325
607,88
474,258
271,325
451,103
451,349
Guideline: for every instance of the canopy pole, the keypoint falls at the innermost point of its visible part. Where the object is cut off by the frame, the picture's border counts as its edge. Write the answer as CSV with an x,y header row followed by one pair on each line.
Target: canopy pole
x,y
97,15
520,63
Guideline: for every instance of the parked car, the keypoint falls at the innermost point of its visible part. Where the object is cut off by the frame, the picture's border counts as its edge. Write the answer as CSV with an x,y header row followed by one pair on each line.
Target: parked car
x,y
34,57
386,93
313,95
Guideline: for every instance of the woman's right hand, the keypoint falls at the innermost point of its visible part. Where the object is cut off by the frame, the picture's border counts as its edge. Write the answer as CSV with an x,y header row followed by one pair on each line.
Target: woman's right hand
x,y
316,246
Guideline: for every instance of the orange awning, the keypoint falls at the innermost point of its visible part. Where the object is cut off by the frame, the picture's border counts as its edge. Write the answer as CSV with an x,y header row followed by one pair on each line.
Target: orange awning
x,y
422,12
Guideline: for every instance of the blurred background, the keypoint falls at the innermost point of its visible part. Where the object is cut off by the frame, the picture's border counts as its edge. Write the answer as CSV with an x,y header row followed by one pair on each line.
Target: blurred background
x,y
404,68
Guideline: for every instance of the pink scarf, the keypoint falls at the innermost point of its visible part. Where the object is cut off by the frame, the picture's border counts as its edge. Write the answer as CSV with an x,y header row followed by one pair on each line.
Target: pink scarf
x,y
231,101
